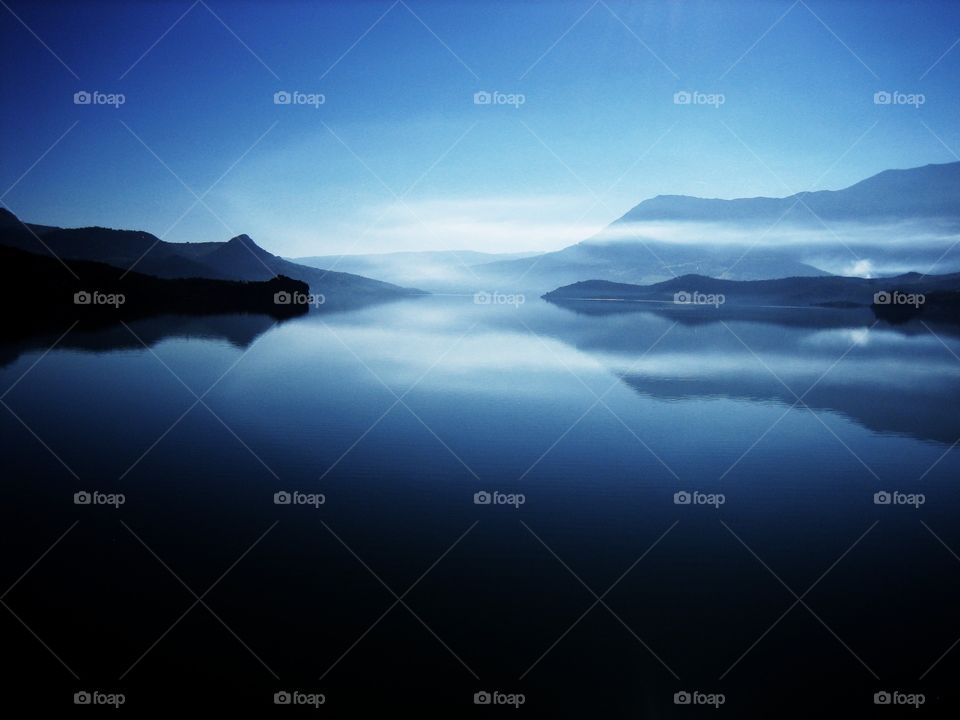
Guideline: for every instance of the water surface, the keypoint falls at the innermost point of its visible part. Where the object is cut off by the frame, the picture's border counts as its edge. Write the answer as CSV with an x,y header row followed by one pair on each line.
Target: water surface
x,y
398,414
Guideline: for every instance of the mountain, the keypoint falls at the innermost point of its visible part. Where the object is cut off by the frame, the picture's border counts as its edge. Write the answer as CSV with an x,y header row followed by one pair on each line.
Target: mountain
x,y
641,261
829,291
37,293
237,259
891,221
928,192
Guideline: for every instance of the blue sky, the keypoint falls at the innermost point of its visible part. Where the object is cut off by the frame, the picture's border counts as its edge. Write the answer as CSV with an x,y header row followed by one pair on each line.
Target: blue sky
x,y
398,156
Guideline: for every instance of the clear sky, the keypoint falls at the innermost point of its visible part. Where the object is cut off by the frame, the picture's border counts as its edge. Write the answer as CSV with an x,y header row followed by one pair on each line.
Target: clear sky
x,y
399,157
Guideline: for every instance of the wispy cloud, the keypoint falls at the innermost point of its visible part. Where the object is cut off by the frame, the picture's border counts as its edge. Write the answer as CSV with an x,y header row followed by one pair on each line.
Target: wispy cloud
x,y
486,224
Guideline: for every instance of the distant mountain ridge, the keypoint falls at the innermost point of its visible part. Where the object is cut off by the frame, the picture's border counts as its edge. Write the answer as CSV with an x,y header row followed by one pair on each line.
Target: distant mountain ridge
x,y
796,291
928,196
898,219
644,261
927,192
239,258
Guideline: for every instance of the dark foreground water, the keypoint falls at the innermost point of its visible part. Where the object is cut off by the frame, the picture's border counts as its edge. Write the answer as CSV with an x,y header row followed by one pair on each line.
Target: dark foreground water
x,y
782,588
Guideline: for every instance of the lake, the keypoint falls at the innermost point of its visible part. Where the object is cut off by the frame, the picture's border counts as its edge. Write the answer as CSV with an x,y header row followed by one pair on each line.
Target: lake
x,y
589,508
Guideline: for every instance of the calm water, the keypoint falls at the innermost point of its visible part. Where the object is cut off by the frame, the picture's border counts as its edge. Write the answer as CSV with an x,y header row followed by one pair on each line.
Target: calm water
x,y
398,415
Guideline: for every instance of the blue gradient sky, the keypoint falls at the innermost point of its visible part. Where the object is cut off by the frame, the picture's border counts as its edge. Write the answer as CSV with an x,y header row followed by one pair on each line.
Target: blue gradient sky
x,y
598,131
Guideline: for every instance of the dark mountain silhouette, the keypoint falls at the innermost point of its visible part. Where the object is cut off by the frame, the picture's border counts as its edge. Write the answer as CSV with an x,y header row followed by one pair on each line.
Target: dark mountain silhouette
x,y
238,259
121,248
37,292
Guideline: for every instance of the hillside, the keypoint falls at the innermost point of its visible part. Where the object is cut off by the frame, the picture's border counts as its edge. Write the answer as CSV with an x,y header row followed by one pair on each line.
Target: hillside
x,y
237,259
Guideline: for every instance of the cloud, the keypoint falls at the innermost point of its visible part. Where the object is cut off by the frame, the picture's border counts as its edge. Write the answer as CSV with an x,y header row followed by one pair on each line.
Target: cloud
x,y
864,249
860,268
485,224
910,233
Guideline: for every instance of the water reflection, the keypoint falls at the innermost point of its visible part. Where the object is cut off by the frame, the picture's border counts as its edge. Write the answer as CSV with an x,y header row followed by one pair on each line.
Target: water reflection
x,y
238,330
493,398
902,379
